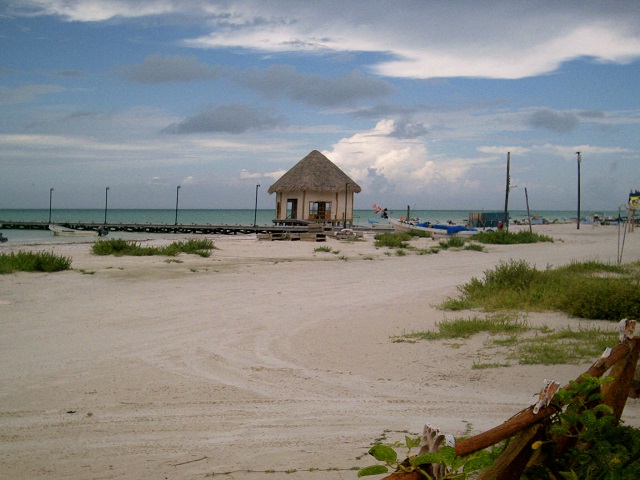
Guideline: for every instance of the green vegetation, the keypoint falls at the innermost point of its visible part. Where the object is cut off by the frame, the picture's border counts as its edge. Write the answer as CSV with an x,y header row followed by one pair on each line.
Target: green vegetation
x,y
461,468
120,247
33,262
503,237
452,241
517,340
392,240
323,248
591,290
467,327
583,440
602,449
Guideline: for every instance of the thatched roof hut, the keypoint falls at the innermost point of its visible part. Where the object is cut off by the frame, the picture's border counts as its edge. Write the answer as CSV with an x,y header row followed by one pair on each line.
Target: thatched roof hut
x,y
315,173
323,190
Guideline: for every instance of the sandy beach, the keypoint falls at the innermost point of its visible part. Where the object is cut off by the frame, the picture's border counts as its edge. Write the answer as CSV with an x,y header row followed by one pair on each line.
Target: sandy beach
x,y
264,356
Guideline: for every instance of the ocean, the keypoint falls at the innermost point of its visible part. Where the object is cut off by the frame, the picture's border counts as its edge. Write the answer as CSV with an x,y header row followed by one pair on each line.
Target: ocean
x,y
224,217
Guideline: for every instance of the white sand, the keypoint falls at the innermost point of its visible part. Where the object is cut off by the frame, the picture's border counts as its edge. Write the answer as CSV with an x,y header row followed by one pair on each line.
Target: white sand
x,y
265,356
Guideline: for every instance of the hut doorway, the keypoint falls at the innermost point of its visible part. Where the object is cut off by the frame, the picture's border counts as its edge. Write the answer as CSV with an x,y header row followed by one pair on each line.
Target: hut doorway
x,y
292,208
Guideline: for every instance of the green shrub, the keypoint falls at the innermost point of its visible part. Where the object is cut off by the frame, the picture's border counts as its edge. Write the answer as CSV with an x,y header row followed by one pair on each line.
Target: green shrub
x,y
33,262
392,240
588,290
504,237
605,298
119,247
453,241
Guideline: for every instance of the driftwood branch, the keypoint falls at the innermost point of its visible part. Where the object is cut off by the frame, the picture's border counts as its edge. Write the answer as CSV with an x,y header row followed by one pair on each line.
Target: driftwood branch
x,y
527,426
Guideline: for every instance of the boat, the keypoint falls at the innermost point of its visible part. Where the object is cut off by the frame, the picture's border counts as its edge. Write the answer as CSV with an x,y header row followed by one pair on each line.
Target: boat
x,y
61,231
403,226
379,225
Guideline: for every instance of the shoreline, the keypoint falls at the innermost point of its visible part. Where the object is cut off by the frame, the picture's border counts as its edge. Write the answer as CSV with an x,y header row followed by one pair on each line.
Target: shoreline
x,y
266,355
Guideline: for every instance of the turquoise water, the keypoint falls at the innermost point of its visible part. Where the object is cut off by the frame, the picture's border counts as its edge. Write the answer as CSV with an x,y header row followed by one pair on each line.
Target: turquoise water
x,y
226,217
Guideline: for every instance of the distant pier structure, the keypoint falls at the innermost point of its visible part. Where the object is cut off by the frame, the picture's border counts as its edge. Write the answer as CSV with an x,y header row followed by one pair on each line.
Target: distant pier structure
x,y
206,229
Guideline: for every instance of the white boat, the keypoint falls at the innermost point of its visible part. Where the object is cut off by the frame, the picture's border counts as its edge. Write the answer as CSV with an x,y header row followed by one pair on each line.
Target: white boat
x,y
402,226
61,231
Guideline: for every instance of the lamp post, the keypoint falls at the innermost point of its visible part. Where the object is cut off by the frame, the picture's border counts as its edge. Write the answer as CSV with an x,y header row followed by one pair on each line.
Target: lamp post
x,y
578,220
50,198
177,197
255,210
106,202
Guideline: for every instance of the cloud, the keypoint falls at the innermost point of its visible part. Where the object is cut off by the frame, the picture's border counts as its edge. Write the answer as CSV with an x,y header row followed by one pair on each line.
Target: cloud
x,y
447,39
164,69
419,40
284,81
92,10
26,93
562,122
409,129
379,158
228,119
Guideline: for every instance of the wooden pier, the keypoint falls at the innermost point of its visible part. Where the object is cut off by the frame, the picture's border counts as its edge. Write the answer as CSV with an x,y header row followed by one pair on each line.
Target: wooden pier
x,y
206,229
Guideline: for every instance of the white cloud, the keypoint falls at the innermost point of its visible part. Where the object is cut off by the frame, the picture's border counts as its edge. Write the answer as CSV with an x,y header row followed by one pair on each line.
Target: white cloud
x,y
420,39
370,156
26,93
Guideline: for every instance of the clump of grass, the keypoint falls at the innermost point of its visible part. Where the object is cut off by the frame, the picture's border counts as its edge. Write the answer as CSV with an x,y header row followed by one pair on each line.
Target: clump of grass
x,y
457,304
504,237
527,345
591,290
400,252
392,240
474,247
323,248
483,366
120,247
467,327
33,262
452,241
564,346
427,251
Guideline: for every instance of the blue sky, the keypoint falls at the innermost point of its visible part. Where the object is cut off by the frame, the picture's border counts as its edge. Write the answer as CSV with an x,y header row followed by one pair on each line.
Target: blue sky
x,y
418,101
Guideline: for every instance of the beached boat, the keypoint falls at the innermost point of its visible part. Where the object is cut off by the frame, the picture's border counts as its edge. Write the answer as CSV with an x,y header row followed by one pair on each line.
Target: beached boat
x,y
61,231
402,226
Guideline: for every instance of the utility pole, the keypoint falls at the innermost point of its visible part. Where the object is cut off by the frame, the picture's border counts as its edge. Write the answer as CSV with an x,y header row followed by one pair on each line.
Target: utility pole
x,y
506,195
578,219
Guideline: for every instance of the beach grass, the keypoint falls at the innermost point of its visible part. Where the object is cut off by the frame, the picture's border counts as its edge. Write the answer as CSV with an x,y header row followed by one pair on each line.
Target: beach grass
x,y
504,237
592,290
120,247
392,240
452,241
33,262
517,340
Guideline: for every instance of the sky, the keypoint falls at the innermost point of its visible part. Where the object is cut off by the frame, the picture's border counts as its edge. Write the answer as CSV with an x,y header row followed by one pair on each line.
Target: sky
x,y
418,101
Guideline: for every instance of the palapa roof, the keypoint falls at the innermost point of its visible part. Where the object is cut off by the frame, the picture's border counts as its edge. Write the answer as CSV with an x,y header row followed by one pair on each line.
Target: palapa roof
x,y
315,173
